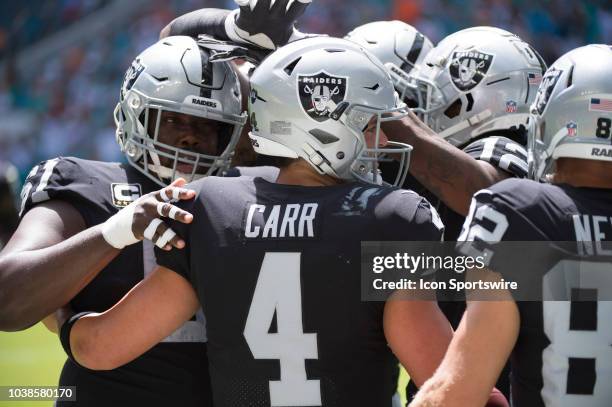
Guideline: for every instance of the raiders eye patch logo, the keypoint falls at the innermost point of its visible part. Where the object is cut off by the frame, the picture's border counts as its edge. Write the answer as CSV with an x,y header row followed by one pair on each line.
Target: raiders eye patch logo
x,y
321,93
468,68
130,77
549,81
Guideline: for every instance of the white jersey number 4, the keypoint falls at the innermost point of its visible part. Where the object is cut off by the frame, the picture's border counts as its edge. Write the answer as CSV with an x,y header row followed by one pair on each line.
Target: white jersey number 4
x,y
279,292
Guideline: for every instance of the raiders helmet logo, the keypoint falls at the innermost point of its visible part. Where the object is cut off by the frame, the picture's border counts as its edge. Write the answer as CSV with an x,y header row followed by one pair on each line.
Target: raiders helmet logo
x,y
321,93
468,68
549,81
130,77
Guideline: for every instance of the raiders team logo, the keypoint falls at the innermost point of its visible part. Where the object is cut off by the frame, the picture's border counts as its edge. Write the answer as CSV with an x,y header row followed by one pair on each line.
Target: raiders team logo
x,y
468,68
125,194
545,90
130,77
320,93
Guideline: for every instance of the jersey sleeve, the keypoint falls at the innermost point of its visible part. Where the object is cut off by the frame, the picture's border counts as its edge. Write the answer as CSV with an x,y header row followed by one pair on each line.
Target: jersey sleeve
x,y
410,217
497,229
209,21
502,153
63,179
179,260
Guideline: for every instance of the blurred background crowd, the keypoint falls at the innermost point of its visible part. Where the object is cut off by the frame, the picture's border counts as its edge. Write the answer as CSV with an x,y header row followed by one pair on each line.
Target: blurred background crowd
x,y
62,61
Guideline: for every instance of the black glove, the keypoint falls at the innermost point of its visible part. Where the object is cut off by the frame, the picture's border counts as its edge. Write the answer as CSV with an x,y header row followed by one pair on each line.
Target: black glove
x,y
266,25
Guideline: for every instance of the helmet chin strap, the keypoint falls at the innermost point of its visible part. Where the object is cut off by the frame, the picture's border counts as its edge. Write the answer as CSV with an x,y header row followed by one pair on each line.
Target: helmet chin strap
x,y
462,125
164,172
167,173
318,161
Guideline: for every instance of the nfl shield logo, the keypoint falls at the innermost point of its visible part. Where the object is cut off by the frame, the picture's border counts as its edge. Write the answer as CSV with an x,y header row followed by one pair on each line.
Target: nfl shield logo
x,y
511,106
572,128
320,93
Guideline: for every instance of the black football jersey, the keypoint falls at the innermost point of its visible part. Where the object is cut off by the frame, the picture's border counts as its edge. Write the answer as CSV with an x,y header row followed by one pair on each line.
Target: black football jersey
x,y
277,271
500,152
267,172
563,355
173,372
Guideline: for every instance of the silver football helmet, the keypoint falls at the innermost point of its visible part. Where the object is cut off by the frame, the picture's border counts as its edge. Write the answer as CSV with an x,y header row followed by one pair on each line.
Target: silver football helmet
x,y
399,46
478,80
314,98
572,112
176,75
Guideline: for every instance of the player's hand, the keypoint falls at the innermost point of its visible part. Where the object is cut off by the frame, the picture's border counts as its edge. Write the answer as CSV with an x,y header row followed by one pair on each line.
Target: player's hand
x,y
266,24
142,219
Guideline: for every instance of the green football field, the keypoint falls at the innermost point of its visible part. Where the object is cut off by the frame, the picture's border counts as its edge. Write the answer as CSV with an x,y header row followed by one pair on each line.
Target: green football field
x,y
30,358
34,358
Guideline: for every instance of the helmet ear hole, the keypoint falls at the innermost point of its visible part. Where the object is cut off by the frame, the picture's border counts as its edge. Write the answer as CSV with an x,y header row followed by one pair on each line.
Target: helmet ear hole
x,y
454,109
570,77
470,101
289,68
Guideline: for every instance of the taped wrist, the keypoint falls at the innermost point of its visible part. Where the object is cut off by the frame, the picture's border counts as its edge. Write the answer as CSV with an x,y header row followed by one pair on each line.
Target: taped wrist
x,y
117,230
65,334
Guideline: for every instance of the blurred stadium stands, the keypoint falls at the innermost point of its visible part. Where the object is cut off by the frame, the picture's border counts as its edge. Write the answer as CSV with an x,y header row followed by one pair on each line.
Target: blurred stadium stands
x,y
62,62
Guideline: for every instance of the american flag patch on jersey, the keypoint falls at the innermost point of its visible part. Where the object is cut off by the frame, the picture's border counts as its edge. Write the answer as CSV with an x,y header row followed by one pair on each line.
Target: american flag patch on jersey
x,y
572,128
535,78
600,105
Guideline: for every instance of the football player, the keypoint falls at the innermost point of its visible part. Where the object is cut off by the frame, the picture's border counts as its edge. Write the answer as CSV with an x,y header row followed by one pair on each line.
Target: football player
x,y
400,47
473,91
276,265
481,147
179,115
560,349
9,180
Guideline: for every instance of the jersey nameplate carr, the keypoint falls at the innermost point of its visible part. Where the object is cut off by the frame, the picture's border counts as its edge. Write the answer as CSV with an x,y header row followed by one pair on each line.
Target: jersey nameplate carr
x,y
125,194
280,221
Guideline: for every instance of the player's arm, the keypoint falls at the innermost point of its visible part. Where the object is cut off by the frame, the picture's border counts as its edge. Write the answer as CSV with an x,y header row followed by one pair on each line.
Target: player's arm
x,y
43,266
54,321
151,311
490,325
476,356
256,23
52,255
447,171
418,334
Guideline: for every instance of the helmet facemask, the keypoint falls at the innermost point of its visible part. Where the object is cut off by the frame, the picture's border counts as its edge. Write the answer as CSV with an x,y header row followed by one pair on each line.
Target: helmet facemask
x,y
476,82
366,166
179,112
162,161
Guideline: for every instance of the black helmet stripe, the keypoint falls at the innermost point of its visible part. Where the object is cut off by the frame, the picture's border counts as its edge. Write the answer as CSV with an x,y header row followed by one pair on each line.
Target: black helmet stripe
x,y
415,51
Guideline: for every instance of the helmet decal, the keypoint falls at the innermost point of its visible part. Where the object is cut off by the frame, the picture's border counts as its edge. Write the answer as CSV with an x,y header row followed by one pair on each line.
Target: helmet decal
x,y
320,93
545,90
468,68
131,75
